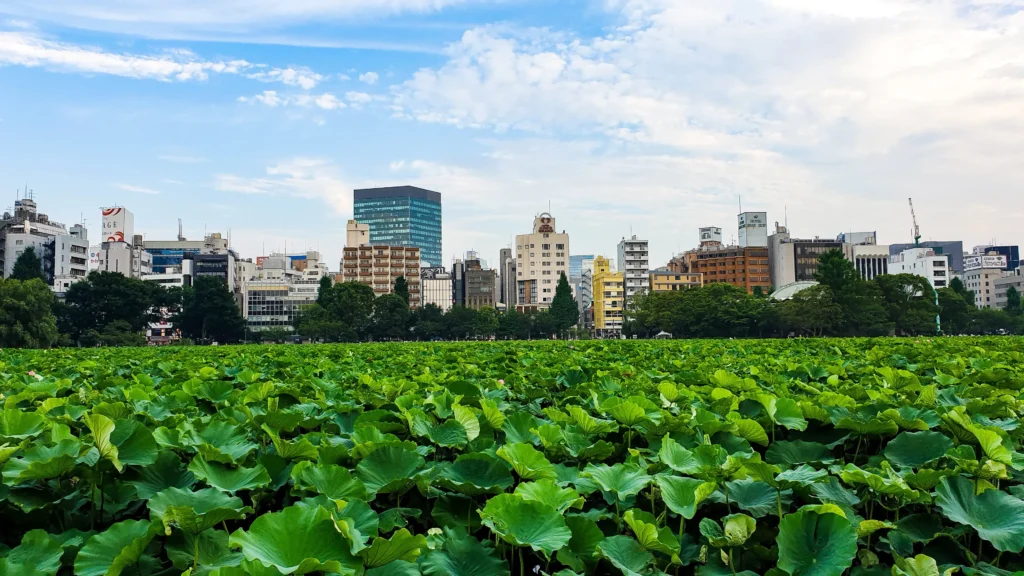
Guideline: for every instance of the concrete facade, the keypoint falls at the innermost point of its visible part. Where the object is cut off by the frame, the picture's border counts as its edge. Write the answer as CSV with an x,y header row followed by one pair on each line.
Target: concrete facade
x,y
542,256
380,266
634,263
609,299
924,262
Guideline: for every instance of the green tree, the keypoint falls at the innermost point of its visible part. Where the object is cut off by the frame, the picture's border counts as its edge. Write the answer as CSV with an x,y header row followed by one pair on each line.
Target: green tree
x,y
813,311
957,286
390,317
428,322
486,322
909,301
117,333
209,312
26,314
860,301
316,323
402,288
323,293
103,298
28,266
954,311
513,325
564,311
836,272
543,325
1013,305
459,323
992,321
351,303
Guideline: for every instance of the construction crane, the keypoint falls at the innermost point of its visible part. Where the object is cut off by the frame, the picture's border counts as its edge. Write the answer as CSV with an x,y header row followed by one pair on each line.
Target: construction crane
x,y
917,229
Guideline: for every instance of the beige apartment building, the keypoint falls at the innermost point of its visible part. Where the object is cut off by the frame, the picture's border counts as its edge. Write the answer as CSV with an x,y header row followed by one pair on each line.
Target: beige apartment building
x,y
541,258
380,266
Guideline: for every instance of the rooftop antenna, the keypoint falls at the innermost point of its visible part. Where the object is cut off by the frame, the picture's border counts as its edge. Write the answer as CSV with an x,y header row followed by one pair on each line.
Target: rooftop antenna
x,y
180,237
740,199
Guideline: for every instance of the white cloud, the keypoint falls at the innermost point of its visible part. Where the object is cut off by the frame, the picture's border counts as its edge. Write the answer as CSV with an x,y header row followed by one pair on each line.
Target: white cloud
x,y
838,109
25,49
301,77
175,182
370,78
358,99
133,188
325,101
182,159
313,178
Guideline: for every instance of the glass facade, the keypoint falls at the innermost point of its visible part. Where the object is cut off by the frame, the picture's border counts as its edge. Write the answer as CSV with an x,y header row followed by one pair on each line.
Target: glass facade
x,y
166,258
402,216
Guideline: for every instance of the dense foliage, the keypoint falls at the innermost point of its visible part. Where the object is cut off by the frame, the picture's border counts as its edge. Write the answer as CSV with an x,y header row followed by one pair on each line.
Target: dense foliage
x,y
816,457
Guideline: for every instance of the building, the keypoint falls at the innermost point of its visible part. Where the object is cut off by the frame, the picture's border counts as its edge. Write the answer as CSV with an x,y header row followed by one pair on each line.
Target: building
x,y
753,229
585,299
459,282
925,262
1012,254
578,263
380,266
480,284
168,255
404,216
954,250
795,260
436,287
862,248
220,265
980,274
276,293
745,268
609,299
634,263
357,234
542,256
64,254
666,280
1002,285
124,258
507,275
867,238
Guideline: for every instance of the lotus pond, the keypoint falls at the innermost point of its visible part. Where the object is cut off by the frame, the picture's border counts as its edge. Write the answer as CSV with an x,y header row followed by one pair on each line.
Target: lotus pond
x,y
801,457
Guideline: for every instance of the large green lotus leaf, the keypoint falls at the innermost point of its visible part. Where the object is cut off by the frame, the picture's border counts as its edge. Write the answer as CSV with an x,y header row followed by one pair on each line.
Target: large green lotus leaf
x,y
524,523
475,474
920,565
626,554
757,498
588,424
222,442
812,544
627,413
333,481
834,492
621,479
582,549
786,412
355,519
751,431
997,516
101,428
39,553
528,463
401,546
456,512
469,421
796,452
300,449
43,462
460,555
297,540
800,476
389,468
548,492
211,547
17,424
111,552
891,484
991,441
583,449
684,495
448,434
194,512
648,535
705,461
518,426
229,478
6,451
396,568
135,443
914,449
167,472
910,418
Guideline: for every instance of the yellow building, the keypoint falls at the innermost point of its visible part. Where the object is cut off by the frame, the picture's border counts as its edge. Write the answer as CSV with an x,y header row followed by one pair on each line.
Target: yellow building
x,y
609,297
665,280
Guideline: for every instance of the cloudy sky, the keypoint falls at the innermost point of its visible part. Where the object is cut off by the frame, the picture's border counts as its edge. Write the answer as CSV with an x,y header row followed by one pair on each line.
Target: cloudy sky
x,y
656,116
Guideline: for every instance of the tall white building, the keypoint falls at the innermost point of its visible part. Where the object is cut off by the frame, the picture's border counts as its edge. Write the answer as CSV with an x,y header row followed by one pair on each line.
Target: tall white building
x,y
753,229
70,258
634,263
1002,286
923,262
436,287
980,274
542,256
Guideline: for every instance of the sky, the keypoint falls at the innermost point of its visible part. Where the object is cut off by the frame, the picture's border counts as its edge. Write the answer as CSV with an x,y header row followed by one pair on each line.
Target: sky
x,y
646,117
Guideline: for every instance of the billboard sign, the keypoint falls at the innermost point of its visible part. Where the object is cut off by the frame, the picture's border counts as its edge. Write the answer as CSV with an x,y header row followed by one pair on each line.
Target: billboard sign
x,y
753,229
978,262
118,224
431,272
711,234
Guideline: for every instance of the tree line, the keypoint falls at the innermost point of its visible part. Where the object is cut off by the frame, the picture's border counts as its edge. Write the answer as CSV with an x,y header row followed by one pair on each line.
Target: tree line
x,y
842,304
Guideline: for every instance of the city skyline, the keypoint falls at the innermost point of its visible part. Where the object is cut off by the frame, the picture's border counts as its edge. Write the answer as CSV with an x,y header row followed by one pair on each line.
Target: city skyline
x,y
635,116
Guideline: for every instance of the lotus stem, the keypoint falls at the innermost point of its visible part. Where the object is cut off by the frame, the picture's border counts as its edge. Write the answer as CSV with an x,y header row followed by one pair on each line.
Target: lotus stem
x,y
522,568
195,554
728,506
857,453
778,501
682,528
730,562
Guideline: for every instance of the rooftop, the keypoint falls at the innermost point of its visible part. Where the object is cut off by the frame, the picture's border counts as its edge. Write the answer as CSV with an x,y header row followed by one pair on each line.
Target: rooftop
x,y
397,192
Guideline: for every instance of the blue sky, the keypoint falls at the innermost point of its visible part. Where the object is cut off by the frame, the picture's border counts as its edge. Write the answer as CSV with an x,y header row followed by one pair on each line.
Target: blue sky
x,y
655,116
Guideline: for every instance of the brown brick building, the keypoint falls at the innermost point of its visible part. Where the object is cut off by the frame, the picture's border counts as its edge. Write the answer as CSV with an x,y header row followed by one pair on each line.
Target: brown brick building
x,y
379,266
745,268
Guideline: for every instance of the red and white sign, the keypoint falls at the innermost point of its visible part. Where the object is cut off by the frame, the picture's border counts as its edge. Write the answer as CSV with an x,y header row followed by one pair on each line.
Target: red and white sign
x,y
118,224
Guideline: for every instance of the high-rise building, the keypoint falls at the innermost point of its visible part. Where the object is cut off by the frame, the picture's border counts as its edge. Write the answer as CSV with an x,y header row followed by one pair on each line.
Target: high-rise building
x,y
953,249
609,299
578,263
634,263
70,258
402,216
795,260
479,286
743,267
507,278
436,287
980,274
585,298
541,258
379,266
924,262
753,229
277,293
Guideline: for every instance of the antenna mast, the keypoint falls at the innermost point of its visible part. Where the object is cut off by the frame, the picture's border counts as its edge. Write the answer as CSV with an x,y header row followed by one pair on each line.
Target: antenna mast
x,y
917,229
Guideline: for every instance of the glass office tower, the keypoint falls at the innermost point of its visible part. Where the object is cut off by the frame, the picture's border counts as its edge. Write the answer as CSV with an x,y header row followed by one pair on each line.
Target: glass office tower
x,y
402,216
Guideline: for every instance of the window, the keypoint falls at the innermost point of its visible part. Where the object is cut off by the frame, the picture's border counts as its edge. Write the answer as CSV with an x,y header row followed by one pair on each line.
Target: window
x,y
533,246
533,254
545,246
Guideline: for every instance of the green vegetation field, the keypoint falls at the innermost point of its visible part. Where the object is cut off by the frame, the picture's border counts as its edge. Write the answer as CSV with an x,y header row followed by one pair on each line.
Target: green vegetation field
x,y
802,457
